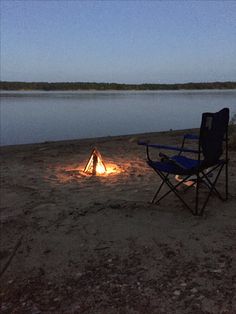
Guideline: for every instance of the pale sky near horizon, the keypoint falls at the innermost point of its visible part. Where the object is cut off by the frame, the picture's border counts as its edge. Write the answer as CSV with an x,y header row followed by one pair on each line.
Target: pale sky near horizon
x,y
118,41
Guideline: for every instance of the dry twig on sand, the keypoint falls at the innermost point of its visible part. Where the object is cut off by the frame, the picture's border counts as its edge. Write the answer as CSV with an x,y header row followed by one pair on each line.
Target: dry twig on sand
x,y
18,243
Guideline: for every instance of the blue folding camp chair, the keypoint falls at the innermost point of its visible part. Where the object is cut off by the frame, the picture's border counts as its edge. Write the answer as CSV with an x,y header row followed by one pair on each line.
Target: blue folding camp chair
x,y
212,156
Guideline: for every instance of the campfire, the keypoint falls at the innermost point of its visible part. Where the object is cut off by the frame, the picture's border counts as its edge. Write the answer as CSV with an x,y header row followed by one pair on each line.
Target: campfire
x,y
95,164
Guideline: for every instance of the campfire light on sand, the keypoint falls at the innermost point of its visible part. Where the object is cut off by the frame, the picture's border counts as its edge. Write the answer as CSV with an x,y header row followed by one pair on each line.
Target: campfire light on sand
x,y
95,162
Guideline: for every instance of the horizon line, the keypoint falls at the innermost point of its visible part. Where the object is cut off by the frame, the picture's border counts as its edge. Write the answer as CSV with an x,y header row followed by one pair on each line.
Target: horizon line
x,y
93,82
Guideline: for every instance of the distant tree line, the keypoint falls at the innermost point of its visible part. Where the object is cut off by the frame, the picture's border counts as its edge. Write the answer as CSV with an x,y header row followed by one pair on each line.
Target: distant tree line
x,y
6,85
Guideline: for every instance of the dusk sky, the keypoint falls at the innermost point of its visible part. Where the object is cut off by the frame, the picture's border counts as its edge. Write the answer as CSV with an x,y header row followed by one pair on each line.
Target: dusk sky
x,y
118,41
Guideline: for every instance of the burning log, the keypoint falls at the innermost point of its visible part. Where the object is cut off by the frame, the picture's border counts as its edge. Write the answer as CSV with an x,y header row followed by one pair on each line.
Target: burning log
x,y
95,164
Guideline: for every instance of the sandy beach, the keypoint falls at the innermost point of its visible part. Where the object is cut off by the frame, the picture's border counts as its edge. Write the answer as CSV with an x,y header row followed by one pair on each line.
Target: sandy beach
x,y
95,244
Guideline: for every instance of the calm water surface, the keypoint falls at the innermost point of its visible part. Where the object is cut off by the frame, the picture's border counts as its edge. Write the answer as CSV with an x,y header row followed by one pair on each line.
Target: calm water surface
x,y
30,117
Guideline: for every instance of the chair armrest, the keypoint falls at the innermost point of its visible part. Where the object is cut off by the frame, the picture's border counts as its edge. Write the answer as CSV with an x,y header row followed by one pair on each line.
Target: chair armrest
x,y
186,150
191,136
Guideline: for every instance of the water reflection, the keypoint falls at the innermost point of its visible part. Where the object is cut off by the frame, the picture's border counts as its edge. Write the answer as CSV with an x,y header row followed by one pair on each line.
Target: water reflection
x,y
29,117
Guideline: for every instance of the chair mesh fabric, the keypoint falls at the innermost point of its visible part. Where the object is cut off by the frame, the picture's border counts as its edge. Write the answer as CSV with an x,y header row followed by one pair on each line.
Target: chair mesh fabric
x,y
212,134
176,165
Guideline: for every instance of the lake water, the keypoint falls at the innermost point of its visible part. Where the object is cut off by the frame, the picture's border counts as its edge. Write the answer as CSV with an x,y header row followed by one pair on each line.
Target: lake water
x,y
31,117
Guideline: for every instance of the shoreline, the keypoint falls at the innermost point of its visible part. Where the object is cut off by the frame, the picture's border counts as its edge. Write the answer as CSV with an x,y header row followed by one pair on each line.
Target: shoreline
x,y
95,139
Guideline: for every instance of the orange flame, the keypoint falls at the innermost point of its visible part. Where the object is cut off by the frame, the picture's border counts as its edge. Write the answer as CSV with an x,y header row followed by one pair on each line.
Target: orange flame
x,y
95,164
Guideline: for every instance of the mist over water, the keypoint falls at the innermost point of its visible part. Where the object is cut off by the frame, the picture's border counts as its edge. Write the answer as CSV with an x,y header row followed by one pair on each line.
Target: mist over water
x,y
31,117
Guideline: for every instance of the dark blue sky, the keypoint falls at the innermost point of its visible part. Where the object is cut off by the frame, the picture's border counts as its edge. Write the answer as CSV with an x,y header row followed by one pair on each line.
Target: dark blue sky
x,y
118,41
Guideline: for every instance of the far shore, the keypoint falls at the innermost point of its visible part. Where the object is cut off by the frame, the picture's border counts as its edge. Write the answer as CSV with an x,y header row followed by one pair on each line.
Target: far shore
x,y
116,90
69,86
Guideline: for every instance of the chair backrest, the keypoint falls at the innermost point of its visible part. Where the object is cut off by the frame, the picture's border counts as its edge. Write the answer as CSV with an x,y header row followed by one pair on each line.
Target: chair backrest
x,y
213,130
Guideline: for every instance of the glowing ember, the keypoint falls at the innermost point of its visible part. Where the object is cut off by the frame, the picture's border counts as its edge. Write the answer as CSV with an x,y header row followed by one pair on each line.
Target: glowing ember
x,y
95,164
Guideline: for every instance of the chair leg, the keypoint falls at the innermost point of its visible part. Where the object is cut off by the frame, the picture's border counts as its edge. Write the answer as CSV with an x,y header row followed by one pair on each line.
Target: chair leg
x,y
211,190
164,180
226,180
165,194
172,189
209,184
200,176
160,187
197,194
